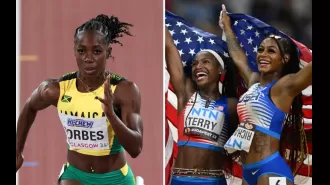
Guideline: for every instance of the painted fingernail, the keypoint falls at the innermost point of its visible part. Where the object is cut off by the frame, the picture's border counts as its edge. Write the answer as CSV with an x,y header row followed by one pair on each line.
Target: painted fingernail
x,y
96,97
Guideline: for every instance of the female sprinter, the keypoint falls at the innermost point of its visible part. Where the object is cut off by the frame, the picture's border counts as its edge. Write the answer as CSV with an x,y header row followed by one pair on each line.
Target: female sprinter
x,y
206,117
271,104
99,124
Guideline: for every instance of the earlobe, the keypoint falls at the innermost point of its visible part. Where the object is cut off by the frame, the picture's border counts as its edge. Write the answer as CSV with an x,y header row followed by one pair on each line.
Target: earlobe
x,y
286,58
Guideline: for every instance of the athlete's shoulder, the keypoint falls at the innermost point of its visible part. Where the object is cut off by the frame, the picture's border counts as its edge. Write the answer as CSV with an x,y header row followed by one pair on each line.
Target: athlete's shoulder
x,y
125,87
49,84
115,79
127,92
49,89
68,76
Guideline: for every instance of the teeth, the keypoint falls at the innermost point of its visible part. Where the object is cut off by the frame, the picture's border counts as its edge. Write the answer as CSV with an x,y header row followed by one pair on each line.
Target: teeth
x,y
264,62
201,74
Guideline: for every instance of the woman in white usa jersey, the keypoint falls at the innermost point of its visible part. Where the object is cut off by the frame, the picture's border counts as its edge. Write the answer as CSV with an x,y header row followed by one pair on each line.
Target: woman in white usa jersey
x,y
270,111
206,115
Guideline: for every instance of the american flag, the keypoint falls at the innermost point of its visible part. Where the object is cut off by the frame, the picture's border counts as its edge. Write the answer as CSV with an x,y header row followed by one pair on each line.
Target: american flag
x,y
190,40
171,119
250,32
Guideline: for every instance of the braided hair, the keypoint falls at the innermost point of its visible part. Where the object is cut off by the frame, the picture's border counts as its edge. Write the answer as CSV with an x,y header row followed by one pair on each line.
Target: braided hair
x,y
110,27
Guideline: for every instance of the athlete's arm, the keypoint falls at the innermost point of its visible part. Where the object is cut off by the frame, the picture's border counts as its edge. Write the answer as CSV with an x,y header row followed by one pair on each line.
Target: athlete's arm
x,y
293,84
236,52
129,131
45,95
289,86
180,83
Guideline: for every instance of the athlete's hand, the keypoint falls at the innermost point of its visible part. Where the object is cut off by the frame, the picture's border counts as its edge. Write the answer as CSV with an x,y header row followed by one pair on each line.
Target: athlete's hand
x,y
107,101
224,19
19,161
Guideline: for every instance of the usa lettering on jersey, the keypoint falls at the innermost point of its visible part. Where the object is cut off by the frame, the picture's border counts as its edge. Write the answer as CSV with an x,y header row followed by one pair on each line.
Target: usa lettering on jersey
x,y
252,94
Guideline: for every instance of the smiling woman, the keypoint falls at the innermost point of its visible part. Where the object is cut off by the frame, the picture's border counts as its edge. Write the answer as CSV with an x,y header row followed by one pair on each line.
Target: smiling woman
x,y
99,110
272,106
206,115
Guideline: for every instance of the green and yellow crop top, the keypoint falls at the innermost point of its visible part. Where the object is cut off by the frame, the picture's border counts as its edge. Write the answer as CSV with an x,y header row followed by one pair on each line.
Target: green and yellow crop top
x,y
87,129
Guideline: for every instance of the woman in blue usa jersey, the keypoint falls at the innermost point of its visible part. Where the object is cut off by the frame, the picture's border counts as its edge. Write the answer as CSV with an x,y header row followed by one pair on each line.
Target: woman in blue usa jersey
x,y
206,116
270,111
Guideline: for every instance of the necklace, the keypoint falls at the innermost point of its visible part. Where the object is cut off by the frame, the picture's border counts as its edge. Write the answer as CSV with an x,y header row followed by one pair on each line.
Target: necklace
x,y
208,100
87,87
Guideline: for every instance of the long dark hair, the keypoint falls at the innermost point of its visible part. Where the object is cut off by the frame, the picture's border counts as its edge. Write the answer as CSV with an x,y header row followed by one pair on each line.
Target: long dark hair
x,y
293,134
230,89
230,80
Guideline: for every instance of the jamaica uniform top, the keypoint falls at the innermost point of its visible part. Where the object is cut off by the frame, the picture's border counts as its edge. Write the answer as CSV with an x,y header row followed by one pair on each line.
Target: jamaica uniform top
x,y
87,129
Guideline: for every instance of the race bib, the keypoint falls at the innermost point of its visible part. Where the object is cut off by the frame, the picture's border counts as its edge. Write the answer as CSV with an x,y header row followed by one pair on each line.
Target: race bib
x,y
86,133
204,122
241,139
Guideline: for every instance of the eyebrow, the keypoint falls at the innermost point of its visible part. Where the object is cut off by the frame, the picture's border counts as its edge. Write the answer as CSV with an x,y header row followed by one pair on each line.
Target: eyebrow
x,y
273,47
204,58
270,47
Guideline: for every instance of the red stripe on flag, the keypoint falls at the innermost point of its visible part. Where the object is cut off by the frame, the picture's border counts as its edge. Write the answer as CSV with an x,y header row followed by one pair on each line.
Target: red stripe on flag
x,y
171,113
307,100
307,113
